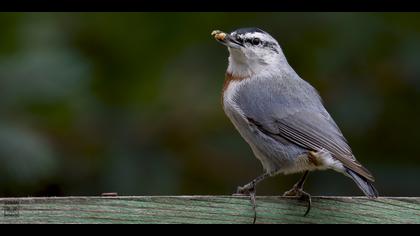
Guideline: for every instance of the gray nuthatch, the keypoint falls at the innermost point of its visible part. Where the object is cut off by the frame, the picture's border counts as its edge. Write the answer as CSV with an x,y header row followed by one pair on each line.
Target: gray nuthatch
x,y
281,116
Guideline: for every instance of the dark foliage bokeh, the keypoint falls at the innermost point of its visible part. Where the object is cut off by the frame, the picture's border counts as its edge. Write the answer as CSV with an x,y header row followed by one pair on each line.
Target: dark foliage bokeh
x,y
130,102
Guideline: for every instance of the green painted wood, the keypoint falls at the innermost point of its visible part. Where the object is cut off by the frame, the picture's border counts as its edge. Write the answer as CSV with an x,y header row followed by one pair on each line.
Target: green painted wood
x,y
208,210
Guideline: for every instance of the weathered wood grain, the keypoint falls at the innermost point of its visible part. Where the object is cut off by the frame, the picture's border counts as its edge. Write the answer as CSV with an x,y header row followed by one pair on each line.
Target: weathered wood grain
x,y
208,210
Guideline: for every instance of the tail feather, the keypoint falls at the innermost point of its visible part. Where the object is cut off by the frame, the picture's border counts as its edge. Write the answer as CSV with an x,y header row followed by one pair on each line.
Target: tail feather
x,y
364,184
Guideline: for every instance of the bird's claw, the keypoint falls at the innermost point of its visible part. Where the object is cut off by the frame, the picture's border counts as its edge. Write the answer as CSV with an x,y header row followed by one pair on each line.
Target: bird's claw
x,y
301,195
249,190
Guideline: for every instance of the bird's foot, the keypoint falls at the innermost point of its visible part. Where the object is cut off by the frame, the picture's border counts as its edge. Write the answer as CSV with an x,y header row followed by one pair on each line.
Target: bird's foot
x,y
301,195
249,190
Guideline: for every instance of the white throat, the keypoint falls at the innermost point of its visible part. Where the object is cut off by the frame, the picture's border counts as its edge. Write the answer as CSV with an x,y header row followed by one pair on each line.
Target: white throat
x,y
243,65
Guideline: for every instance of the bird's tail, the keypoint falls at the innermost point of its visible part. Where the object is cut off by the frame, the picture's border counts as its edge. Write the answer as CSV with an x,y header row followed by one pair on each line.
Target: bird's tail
x,y
364,184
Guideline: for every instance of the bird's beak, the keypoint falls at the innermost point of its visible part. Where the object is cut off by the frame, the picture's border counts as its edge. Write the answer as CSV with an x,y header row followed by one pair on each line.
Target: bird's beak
x,y
226,39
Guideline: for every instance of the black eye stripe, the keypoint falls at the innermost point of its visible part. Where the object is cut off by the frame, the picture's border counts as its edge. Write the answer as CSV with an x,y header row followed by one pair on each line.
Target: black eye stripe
x,y
253,41
239,39
266,44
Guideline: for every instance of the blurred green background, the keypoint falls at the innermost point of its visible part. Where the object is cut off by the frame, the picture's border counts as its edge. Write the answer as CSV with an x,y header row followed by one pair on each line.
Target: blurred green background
x,y
130,102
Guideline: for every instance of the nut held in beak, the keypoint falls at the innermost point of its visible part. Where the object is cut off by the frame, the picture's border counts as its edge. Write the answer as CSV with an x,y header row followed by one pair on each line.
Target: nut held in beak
x,y
219,35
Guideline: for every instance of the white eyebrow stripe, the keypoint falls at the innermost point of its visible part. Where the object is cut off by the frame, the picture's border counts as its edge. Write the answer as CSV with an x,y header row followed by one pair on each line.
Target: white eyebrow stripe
x,y
256,34
263,37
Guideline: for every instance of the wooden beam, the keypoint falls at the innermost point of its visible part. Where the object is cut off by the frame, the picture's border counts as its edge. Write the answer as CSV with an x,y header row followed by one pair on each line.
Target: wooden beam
x,y
208,210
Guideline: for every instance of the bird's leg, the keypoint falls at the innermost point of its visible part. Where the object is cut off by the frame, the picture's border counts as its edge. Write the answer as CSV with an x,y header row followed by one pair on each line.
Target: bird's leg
x,y
297,191
246,189
250,189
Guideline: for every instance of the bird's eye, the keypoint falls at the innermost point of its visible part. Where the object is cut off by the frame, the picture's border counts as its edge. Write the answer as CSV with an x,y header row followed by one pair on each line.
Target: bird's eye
x,y
256,41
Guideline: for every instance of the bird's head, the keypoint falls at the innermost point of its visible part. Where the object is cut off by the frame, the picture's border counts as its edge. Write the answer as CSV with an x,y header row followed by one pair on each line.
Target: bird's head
x,y
252,50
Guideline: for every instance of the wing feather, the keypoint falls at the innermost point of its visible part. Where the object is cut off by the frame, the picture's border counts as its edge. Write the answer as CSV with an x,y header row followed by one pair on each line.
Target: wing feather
x,y
313,131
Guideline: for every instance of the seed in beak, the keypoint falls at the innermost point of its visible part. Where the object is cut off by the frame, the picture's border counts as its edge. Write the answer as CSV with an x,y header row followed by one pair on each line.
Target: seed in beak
x,y
219,35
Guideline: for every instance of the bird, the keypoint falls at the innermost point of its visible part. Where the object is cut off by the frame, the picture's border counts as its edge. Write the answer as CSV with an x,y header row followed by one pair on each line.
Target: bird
x,y
281,116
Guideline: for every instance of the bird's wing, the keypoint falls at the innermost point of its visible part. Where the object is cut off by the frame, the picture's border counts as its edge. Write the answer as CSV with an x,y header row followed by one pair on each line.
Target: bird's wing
x,y
310,127
313,131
